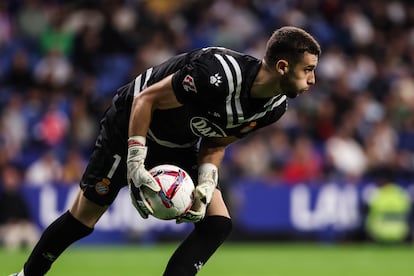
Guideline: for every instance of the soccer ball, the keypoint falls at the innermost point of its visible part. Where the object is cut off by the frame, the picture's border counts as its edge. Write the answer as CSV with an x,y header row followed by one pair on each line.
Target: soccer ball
x,y
176,195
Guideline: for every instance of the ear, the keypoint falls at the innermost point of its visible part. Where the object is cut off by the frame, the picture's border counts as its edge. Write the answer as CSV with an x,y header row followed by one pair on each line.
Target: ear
x,y
282,66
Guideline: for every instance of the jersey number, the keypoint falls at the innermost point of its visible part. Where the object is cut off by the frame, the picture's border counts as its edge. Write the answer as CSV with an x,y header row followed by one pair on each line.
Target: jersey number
x,y
114,166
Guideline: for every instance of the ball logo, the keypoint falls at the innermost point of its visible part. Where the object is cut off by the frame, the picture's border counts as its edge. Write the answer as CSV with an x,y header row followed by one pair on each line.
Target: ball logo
x,y
204,128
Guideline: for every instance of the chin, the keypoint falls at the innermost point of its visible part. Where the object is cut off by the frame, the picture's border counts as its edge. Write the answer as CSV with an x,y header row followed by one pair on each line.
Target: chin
x,y
291,95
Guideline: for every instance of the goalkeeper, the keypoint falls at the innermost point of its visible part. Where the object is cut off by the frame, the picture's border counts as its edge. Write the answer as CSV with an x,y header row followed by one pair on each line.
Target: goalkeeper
x,y
185,112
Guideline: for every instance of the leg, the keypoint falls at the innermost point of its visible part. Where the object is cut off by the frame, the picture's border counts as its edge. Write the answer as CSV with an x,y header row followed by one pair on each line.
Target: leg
x,y
104,176
68,228
201,244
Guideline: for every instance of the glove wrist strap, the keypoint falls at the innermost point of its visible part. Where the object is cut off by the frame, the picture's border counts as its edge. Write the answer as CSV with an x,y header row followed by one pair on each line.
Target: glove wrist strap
x,y
136,141
208,172
137,151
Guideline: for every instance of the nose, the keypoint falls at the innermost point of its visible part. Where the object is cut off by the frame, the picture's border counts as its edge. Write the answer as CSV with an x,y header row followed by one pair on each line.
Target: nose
x,y
311,79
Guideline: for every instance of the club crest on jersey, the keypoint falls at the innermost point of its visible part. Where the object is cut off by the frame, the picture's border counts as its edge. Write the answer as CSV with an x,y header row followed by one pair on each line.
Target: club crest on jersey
x,y
216,79
202,127
102,187
188,84
248,128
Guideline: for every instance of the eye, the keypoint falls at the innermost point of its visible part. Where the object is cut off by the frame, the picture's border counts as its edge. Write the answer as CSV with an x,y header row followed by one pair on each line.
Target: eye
x,y
308,70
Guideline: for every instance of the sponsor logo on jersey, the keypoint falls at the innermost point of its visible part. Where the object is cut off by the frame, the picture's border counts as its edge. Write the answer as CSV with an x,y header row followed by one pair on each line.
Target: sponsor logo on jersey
x,y
188,84
204,128
216,79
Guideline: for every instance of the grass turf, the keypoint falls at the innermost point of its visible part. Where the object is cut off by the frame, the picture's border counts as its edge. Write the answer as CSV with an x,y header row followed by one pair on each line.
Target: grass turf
x,y
238,259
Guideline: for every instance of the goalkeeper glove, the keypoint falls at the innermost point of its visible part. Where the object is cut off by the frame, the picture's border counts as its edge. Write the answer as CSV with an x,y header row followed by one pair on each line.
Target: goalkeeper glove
x,y
137,174
139,202
207,183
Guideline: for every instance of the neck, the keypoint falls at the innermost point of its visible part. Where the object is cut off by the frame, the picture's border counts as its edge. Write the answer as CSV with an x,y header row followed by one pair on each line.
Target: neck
x,y
266,84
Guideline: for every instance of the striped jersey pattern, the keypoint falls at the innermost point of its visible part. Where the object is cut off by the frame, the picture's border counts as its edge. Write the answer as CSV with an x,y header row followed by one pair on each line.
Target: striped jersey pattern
x,y
213,84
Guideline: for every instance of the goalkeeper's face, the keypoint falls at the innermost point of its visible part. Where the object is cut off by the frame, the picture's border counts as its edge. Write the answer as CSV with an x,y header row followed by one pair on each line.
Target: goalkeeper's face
x,y
300,77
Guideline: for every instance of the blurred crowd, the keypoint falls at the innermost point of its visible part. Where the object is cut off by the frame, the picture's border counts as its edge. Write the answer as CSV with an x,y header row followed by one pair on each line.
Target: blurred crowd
x,y
61,62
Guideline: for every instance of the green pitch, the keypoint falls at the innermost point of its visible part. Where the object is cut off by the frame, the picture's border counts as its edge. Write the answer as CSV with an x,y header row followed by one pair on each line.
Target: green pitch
x,y
238,259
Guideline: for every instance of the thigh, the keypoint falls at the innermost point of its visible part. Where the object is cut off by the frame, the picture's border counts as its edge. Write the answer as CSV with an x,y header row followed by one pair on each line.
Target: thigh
x,y
86,211
217,206
105,174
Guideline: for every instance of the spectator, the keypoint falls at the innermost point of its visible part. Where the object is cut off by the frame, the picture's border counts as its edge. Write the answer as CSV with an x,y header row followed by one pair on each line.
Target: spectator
x,y
16,227
19,76
94,46
13,127
86,47
345,155
83,125
304,164
381,147
56,37
53,70
73,167
32,19
323,124
280,150
45,170
6,25
53,126
389,210
251,158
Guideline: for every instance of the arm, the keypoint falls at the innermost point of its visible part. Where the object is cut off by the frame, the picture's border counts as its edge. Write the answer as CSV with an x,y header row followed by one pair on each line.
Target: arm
x,y
212,149
158,96
210,156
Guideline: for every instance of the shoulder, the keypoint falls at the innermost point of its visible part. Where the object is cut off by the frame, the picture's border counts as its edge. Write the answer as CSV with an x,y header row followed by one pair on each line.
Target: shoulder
x,y
202,74
217,65
212,57
213,72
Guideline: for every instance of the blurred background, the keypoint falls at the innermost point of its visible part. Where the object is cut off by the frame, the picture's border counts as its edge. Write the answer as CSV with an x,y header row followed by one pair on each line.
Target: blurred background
x,y
339,166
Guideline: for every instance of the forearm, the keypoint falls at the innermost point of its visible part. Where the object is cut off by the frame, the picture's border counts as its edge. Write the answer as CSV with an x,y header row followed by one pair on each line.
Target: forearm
x,y
141,113
210,157
157,96
212,150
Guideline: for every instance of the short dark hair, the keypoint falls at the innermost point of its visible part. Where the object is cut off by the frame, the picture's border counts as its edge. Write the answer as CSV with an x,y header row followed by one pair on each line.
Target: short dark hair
x,y
290,43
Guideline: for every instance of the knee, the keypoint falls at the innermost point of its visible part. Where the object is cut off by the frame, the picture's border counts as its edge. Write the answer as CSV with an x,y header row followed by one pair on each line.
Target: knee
x,y
219,226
